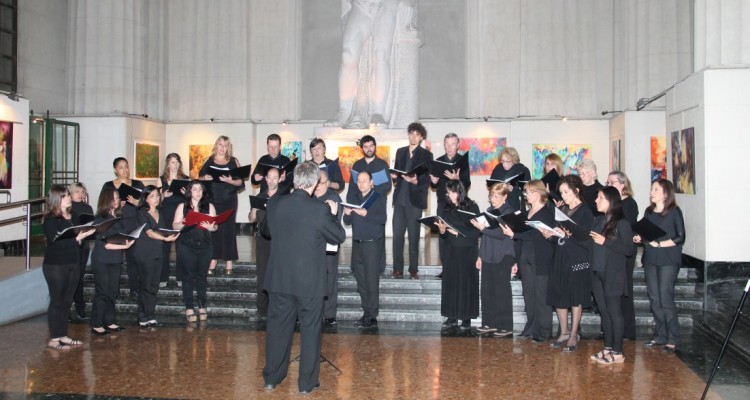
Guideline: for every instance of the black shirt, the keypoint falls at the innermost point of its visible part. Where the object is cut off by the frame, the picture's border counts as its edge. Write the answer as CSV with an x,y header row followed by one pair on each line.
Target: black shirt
x,y
674,225
376,165
464,176
589,196
65,251
281,160
372,225
147,247
515,198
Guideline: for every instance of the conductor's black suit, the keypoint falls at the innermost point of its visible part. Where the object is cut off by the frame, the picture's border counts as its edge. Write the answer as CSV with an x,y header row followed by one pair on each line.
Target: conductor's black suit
x,y
300,227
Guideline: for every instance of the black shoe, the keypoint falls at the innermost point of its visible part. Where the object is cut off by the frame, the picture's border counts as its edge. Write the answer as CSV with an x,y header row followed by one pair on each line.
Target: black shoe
x,y
369,323
80,313
450,322
116,328
439,276
670,349
316,387
361,321
466,324
269,386
331,321
653,343
105,332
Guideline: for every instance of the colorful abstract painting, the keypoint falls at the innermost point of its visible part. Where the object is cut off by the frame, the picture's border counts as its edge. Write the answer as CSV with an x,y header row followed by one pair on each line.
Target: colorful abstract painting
x,y
198,155
683,161
571,155
484,153
6,154
146,160
658,157
615,156
348,155
292,150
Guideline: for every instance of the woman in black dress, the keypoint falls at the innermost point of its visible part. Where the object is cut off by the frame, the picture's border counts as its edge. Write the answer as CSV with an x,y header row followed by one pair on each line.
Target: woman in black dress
x,y
148,253
80,206
620,181
194,249
460,284
61,266
510,166
534,264
662,259
612,243
570,278
496,261
170,201
129,222
223,197
106,265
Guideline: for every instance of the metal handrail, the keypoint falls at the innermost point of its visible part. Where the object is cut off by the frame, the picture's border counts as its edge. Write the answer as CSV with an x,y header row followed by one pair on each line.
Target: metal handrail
x,y
26,205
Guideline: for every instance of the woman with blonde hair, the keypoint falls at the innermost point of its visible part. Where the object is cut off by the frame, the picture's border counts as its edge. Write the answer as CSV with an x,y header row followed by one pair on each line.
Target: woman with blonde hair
x,y
223,197
510,166
496,261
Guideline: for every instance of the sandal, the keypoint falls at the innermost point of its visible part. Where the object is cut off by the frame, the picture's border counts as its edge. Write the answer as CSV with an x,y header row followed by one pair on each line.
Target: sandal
x,y
202,315
599,355
56,344
70,342
610,358
228,271
571,348
560,340
190,314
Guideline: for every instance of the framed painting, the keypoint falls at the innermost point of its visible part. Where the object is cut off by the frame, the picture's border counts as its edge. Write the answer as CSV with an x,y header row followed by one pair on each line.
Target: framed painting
x,y
6,155
146,160
615,157
658,158
571,155
348,155
198,155
683,161
484,153
293,150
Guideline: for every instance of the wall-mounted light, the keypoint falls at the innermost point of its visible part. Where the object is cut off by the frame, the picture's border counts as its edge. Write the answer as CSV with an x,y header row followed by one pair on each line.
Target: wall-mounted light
x,y
486,118
564,118
284,122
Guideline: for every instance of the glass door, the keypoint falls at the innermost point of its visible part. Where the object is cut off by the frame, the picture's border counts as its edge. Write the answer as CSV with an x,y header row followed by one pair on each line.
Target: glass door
x,y
61,153
36,168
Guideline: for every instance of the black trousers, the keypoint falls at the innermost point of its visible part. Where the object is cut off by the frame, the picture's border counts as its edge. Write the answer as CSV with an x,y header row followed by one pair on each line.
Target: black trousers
x,y
660,281
406,220
367,274
106,286
78,299
149,270
62,280
538,313
262,253
331,303
167,251
131,265
194,263
283,312
628,303
610,309
497,295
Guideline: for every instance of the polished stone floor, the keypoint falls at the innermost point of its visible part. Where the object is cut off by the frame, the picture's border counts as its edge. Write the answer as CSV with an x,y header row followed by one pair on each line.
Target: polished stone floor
x,y
205,362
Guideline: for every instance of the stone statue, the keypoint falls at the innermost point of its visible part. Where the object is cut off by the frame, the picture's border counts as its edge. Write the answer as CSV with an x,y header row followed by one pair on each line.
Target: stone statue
x,y
379,64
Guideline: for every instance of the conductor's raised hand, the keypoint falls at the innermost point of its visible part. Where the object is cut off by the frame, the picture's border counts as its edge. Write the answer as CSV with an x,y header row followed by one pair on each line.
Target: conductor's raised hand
x,y
333,206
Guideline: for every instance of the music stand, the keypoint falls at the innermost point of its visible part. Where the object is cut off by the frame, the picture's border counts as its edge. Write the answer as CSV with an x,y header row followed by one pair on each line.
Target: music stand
x,y
726,340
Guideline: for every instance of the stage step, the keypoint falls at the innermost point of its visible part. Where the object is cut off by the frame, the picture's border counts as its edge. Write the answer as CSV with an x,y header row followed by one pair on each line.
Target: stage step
x,y
231,299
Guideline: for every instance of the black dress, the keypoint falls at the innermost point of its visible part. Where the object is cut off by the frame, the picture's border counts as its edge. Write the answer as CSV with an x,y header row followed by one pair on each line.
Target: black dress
x,y
224,197
460,285
515,198
570,278
168,208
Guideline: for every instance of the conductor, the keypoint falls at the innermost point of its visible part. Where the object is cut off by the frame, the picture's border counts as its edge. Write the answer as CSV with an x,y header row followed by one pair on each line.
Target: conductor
x,y
296,276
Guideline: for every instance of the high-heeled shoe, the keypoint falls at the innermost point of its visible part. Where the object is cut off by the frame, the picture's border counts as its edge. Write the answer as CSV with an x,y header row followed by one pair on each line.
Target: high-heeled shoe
x,y
202,314
190,314
211,271
560,340
228,271
571,348
115,328
102,332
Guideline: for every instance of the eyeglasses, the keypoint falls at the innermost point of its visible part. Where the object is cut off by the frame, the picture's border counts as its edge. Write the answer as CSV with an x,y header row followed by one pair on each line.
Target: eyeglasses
x,y
612,183
506,161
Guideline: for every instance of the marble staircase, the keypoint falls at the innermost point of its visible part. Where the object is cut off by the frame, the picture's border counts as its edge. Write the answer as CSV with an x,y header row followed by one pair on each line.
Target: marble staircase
x,y
405,304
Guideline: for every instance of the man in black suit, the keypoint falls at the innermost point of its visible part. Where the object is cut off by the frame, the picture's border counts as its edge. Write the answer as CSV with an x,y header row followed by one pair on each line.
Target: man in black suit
x,y
300,226
409,199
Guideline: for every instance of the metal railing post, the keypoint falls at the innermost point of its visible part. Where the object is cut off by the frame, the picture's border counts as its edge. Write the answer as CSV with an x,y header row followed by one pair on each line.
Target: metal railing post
x,y
27,207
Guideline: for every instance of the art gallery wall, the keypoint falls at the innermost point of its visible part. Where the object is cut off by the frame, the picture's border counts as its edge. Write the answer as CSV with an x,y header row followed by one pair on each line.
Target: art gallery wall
x,y
145,131
635,129
16,112
102,139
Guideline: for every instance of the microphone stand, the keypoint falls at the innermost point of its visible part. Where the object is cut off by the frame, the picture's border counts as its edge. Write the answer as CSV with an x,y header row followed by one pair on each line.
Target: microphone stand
x,y
726,340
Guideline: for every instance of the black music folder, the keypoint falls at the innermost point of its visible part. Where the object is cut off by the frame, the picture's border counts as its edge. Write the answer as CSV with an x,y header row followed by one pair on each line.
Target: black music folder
x,y
438,168
648,230
416,171
126,190
242,172
431,220
258,203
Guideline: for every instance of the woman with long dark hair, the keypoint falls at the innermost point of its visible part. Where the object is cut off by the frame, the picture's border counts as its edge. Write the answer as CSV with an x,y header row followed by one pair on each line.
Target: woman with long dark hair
x,y
194,249
612,244
570,278
496,261
106,265
148,253
223,197
460,284
662,259
61,266
129,222
169,203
